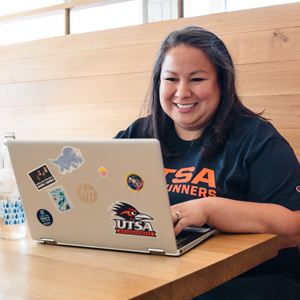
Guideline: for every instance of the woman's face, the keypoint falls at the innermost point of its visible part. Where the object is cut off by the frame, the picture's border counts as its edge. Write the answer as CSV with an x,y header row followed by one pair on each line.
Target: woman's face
x,y
189,90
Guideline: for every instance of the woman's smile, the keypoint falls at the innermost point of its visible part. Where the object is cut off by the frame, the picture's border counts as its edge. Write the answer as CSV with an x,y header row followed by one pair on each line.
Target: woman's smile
x,y
185,108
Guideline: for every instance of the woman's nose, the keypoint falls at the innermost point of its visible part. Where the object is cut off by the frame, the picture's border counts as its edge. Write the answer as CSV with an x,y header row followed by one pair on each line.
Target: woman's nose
x,y
183,90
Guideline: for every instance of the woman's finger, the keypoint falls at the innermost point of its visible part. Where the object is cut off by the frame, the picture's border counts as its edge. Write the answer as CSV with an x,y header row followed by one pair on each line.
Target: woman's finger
x,y
181,224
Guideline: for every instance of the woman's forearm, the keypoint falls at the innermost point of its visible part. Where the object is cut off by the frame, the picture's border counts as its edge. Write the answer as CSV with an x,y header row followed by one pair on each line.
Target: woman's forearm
x,y
242,217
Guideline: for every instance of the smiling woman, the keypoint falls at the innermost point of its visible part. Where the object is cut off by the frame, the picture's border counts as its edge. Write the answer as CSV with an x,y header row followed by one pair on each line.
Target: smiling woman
x,y
189,90
224,164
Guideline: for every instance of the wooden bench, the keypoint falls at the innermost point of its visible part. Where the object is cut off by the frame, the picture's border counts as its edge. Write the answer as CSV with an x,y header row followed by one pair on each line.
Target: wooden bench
x,y
92,85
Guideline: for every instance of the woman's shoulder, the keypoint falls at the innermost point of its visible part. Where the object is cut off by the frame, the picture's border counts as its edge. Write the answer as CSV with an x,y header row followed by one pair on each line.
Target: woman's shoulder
x,y
135,130
255,137
257,128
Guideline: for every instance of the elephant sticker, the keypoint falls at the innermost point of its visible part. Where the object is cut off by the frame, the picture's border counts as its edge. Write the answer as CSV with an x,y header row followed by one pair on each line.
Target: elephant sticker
x,y
69,160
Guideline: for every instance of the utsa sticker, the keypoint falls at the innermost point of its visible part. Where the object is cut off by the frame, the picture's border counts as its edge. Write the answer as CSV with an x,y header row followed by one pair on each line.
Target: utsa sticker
x,y
132,221
135,182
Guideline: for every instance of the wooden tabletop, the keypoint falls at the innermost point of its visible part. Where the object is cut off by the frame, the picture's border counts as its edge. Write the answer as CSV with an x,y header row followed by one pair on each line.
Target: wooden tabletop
x,y
30,270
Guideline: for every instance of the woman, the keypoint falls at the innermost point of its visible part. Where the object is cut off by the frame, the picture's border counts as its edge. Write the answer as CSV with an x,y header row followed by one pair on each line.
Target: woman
x,y
224,164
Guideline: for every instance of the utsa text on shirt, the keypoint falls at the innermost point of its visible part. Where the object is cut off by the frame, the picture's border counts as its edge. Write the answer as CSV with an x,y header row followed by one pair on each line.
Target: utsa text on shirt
x,y
180,181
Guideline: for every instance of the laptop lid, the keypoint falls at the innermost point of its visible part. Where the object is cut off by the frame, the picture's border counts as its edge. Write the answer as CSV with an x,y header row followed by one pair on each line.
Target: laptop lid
x,y
108,194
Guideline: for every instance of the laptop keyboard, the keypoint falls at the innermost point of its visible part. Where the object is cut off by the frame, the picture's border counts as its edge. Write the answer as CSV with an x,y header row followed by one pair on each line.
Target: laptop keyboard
x,y
186,237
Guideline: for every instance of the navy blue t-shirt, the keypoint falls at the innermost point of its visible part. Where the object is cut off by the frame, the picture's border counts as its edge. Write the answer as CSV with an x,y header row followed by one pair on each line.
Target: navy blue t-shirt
x,y
256,165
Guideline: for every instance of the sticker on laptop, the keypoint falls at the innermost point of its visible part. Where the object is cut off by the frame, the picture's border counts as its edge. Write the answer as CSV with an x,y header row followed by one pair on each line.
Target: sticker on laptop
x,y
103,172
60,199
69,160
87,194
41,177
131,221
44,217
135,182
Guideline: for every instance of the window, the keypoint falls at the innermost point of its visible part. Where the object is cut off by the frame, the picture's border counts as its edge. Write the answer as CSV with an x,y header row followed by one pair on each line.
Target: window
x,y
106,17
131,12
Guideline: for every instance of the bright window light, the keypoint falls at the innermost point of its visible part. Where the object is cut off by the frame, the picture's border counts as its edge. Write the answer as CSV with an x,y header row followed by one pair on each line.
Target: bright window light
x,y
99,18
33,29
14,6
193,8
232,5
106,17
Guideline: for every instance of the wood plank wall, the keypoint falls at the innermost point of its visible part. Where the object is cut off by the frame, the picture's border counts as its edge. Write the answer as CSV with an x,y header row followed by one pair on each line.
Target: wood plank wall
x,y
92,85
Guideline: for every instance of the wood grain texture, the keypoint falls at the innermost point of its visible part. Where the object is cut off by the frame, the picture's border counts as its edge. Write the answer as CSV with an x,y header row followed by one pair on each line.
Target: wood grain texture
x,y
282,110
57,272
249,21
75,116
84,64
108,88
260,46
279,78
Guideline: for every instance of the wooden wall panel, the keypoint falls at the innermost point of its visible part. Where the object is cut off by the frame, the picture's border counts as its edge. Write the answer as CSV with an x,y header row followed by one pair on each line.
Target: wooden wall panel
x,y
269,78
283,111
131,59
68,134
277,44
250,20
110,88
112,115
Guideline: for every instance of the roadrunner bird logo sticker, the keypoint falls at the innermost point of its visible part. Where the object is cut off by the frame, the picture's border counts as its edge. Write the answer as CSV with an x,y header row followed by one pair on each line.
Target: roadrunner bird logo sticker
x,y
131,221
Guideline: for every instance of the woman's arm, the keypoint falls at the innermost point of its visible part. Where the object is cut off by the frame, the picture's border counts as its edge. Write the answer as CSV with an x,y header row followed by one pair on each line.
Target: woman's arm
x,y
240,217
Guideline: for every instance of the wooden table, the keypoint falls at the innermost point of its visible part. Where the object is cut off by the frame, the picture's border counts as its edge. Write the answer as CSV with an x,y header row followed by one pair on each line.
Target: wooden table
x,y
30,270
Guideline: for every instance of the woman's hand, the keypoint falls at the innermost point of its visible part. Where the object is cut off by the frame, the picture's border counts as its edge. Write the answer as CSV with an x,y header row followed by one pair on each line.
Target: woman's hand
x,y
192,213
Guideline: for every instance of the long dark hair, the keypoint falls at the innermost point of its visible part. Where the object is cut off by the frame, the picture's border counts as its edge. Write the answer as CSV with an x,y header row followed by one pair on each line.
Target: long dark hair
x,y
215,135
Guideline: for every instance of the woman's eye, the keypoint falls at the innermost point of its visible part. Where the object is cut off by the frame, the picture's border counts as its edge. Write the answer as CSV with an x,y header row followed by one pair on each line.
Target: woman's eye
x,y
170,79
197,79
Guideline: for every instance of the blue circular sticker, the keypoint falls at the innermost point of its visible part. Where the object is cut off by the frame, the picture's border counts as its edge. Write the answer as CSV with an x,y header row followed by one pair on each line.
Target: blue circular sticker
x,y
135,182
44,217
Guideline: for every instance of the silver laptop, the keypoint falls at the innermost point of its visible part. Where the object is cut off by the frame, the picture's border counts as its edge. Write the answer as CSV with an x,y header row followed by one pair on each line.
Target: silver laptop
x,y
107,194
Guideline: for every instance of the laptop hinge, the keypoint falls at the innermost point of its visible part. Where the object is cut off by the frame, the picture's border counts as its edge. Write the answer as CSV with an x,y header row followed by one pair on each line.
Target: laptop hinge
x,y
156,251
48,241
